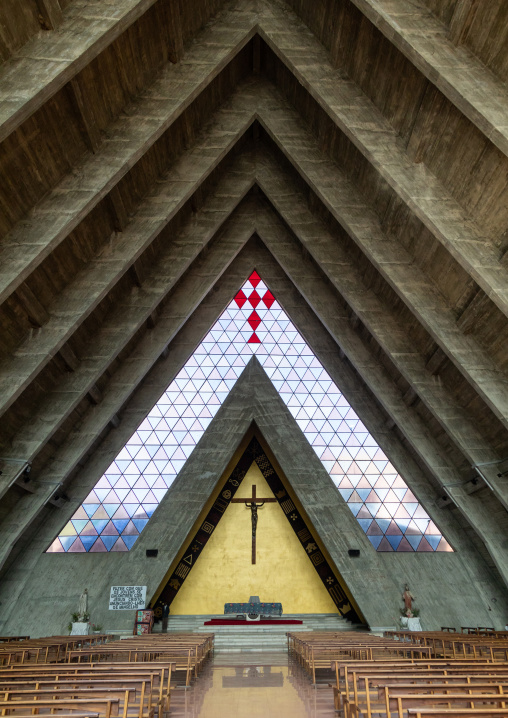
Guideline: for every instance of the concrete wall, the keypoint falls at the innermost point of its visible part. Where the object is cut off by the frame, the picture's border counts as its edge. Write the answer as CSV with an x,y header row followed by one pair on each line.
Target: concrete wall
x,y
450,588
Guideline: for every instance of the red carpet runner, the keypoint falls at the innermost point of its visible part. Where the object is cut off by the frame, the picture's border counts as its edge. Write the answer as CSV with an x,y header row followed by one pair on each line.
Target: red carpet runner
x,y
235,622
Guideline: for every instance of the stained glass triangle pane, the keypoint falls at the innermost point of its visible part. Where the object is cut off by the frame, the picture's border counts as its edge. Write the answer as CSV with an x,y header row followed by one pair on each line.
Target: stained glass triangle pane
x,y
56,547
253,323
98,547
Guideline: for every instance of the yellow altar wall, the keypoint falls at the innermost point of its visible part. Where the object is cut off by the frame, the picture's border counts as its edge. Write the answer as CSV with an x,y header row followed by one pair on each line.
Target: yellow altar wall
x,y
224,572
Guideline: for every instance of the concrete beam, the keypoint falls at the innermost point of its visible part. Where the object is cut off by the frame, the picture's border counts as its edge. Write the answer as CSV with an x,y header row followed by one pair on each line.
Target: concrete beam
x,y
461,77
364,125
132,312
81,296
368,309
187,295
388,256
43,66
55,216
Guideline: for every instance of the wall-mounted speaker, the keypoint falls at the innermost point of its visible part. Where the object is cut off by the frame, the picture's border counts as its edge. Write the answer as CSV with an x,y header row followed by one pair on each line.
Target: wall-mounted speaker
x,y
152,552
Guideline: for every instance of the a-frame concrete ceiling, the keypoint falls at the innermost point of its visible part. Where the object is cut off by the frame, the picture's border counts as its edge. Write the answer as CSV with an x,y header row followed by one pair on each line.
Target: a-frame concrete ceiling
x,y
144,147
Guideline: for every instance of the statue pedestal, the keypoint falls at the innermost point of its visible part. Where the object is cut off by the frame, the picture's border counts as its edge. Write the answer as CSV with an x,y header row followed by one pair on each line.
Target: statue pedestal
x,y
413,624
80,629
410,624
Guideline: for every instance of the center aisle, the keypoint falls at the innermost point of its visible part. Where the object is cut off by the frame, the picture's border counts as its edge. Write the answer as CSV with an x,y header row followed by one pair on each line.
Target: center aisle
x,y
252,685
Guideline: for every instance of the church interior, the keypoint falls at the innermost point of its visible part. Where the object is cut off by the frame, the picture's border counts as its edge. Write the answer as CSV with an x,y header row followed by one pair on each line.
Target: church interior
x,y
254,358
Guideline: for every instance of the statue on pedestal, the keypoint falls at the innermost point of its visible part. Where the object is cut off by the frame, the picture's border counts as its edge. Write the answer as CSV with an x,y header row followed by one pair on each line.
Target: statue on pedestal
x,y
408,599
83,606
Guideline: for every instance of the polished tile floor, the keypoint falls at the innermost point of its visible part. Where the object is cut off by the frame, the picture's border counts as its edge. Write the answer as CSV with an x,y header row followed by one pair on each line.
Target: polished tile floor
x,y
252,685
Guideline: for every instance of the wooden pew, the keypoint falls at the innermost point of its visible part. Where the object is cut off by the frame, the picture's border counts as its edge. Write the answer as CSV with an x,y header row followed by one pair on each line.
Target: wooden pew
x,y
105,708
457,713
354,681
152,683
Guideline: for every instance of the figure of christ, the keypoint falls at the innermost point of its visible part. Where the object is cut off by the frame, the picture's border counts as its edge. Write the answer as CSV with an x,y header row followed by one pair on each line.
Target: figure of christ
x,y
253,503
254,516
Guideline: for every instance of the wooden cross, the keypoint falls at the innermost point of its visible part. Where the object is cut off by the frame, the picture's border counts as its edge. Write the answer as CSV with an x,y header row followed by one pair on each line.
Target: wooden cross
x,y
253,503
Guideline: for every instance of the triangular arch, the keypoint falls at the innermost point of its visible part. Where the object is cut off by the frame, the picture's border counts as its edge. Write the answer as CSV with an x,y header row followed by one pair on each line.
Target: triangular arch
x,y
256,452
118,508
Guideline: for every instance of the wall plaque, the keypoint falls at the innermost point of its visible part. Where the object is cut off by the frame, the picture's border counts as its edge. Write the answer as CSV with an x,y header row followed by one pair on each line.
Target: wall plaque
x,y
127,598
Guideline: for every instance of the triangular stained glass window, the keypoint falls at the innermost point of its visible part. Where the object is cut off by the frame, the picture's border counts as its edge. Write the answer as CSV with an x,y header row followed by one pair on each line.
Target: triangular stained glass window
x,y
115,512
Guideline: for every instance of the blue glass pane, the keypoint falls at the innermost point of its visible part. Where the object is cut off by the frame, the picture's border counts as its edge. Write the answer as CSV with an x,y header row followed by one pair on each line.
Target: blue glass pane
x,y
88,541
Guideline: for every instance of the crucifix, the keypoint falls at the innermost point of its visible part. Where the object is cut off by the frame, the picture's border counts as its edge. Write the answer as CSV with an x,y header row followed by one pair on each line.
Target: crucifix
x,y
253,503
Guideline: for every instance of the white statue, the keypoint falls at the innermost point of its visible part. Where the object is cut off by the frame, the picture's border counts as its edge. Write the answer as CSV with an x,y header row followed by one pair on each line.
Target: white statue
x,y
83,605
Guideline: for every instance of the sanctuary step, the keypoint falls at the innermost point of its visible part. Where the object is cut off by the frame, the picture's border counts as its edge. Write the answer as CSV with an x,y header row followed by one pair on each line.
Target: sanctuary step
x,y
252,638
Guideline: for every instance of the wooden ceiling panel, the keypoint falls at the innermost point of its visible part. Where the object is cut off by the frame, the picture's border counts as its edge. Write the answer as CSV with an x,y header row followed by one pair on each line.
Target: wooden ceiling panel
x,y
443,9
464,160
194,15
358,48
35,157
487,35
19,21
125,68
14,323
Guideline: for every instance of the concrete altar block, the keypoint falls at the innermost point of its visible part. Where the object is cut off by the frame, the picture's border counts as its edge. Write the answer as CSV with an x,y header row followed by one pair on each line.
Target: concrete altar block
x,y
80,629
414,624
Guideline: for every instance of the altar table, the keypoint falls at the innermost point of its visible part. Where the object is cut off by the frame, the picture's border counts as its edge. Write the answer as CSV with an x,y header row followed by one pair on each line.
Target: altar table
x,y
254,609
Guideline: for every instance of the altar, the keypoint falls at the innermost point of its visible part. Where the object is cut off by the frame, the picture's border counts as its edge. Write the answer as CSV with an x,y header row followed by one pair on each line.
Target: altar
x,y
254,609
